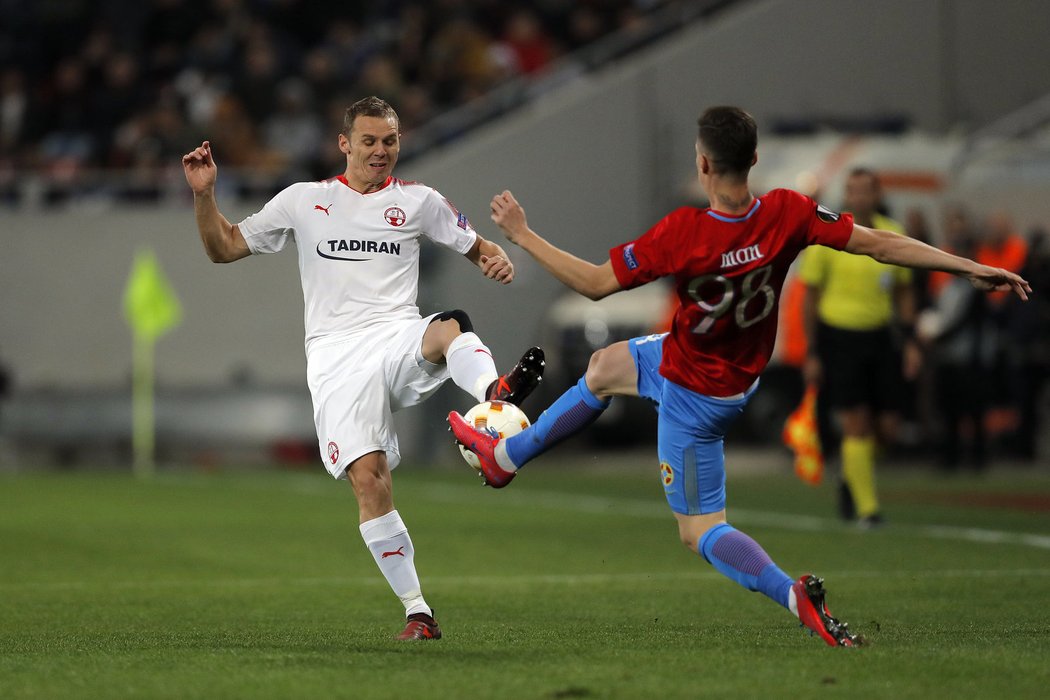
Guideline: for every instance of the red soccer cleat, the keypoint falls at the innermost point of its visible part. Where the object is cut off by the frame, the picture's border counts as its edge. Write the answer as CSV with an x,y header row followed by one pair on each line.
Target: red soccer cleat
x,y
483,445
814,613
420,626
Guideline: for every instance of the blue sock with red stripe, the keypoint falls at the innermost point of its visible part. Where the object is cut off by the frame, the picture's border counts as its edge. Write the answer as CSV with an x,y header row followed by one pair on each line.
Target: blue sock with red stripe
x,y
740,558
572,412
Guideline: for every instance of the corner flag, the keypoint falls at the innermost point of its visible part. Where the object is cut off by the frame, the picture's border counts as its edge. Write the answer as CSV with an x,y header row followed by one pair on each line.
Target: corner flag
x,y
803,437
151,309
150,305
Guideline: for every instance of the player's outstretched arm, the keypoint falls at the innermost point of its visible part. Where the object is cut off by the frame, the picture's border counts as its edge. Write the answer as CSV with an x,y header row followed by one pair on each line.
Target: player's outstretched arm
x,y
222,240
590,280
893,249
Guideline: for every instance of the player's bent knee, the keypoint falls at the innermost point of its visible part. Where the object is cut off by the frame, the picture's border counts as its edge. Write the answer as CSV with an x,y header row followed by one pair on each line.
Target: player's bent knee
x,y
691,528
459,316
364,479
687,541
369,474
372,492
598,373
612,372
442,331
690,537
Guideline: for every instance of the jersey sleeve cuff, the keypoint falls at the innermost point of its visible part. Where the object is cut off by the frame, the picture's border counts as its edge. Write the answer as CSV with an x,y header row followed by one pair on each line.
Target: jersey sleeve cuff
x,y
472,237
619,266
248,238
847,231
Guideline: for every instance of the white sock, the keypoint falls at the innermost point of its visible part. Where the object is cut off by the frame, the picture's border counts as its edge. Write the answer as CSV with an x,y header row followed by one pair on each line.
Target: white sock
x,y
387,538
502,458
793,601
471,365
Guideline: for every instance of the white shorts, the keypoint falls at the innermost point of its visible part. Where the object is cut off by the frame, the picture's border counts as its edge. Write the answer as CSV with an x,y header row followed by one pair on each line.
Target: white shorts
x,y
357,384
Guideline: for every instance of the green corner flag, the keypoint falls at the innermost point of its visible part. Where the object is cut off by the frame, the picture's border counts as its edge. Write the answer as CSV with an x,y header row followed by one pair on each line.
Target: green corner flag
x,y
150,305
151,309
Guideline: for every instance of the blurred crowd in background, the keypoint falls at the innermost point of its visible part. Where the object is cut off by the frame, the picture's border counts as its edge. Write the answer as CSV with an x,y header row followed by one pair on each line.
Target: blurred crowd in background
x,y
107,84
978,395
987,355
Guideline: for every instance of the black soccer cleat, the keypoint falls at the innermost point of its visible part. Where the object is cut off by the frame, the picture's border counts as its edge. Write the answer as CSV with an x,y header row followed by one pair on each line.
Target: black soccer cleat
x,y
813,613
516,385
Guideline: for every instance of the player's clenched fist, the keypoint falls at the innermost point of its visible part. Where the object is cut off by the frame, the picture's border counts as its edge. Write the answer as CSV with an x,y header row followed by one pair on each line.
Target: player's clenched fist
x,y
509,215
497,268
199,167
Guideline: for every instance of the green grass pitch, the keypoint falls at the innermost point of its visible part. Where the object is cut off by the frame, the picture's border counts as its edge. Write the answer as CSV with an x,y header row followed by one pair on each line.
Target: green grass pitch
x,y
568,584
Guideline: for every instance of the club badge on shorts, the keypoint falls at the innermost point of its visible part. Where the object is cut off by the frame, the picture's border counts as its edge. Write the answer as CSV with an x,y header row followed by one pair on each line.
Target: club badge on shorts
x,y
666,474
333,452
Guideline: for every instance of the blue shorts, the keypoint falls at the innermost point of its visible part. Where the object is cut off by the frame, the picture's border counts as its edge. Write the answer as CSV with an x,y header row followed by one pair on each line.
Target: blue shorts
x,y
690,433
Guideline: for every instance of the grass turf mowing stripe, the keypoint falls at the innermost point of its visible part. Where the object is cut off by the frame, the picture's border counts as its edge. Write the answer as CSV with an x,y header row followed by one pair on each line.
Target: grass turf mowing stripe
x,y
511,580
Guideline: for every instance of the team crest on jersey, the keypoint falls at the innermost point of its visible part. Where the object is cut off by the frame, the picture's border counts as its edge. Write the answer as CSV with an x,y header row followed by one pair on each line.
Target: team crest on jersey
x,y
395,216
333,452
826,215
666,474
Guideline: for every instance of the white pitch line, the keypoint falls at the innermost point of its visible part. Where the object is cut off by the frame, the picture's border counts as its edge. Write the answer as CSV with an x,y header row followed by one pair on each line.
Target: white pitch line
x,y
620,507
974,534
654,509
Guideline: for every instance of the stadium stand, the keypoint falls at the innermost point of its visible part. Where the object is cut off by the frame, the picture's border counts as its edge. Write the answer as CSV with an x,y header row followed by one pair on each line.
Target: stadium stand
x,y
113,86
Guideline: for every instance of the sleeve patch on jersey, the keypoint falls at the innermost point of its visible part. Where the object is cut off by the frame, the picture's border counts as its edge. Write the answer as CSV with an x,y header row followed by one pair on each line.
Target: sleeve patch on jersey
x,y
826,215
628,257
462,222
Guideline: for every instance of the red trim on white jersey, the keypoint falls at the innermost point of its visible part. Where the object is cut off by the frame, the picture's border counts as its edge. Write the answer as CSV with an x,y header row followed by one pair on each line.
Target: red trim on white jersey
x,y
342,179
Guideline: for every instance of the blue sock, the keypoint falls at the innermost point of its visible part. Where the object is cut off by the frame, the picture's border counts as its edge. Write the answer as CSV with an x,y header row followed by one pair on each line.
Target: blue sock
x,y
572,412
740,558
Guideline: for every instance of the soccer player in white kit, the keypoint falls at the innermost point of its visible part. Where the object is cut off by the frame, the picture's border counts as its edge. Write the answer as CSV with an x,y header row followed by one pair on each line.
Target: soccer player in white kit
x,y
369,353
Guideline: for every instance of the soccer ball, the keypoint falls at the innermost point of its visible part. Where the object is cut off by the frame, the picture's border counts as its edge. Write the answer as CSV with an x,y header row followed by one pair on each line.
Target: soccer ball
x,y
497,418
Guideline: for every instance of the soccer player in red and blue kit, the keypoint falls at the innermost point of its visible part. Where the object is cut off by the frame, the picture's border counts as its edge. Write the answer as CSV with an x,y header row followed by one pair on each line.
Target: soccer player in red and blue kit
x,y
728,262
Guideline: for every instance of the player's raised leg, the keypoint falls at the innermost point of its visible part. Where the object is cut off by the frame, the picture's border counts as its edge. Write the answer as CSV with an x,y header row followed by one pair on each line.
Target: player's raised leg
x,y
387,538
450,338
611,372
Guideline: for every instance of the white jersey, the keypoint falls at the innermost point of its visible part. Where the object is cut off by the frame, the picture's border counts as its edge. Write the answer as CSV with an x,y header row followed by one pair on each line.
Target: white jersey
x,y
358,253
